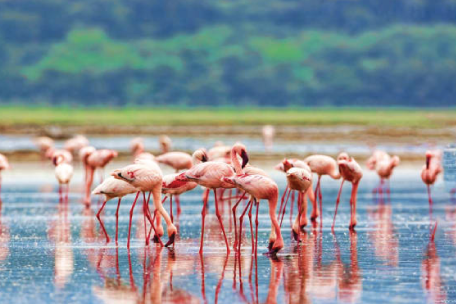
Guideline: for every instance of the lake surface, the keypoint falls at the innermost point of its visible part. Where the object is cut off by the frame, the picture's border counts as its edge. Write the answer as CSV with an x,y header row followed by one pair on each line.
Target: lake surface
x,y
50,253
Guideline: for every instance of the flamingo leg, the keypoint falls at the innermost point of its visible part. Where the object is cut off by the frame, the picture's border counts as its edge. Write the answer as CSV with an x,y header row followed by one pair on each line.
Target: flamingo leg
x,y
90,172
284,208
117,218
203,216
283,199
60,193
251,228
178,206
155,215
241,224
171,208
292,206
256,228
131,218
101,222
353,205
430,213
320,198
147,212
219,217
337,204
310,192
234,218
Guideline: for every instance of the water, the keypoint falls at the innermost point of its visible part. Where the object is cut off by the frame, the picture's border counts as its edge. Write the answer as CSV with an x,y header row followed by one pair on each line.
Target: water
x,y
51,254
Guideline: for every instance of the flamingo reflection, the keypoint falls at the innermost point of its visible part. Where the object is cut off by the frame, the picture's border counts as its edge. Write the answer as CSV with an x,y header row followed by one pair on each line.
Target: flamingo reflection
x,y
431,279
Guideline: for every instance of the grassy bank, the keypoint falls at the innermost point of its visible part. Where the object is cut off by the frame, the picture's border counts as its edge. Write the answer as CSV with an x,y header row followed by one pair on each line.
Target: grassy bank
x,y
16,116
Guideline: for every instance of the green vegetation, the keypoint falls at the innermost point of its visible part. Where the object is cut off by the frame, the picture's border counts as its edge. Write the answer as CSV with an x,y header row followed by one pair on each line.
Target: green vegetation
x,y
296,53
13,116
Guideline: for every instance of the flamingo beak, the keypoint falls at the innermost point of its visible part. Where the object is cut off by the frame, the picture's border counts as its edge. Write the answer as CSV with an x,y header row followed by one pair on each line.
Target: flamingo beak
x,y
245,158
428,161
204,158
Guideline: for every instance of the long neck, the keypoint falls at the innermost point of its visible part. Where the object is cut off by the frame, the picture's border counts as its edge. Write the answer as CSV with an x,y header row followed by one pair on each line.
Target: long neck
x,y
236,163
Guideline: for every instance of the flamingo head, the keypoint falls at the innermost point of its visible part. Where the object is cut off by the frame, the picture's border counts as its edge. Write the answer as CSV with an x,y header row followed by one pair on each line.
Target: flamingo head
x,y
57,159
200,155
395,160
428,159
343,156
279,167
286,165
241,150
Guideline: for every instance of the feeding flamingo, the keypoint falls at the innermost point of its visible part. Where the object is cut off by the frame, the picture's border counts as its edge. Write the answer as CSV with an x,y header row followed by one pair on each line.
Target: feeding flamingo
x,y
350,171
429,174
259,187
165,143
298,179
63,173
75,144
383,164
322,165
146,178
92,161
44,143
112,188
137,146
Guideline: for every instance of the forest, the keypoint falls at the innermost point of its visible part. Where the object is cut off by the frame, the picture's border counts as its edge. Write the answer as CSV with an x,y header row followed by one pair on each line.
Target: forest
x,y
271,53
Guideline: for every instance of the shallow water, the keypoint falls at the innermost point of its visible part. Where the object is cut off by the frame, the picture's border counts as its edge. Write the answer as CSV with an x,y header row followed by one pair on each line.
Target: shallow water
x,y
49,253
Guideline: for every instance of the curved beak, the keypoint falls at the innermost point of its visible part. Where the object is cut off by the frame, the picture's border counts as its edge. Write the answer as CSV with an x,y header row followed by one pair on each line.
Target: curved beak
x,y
428,161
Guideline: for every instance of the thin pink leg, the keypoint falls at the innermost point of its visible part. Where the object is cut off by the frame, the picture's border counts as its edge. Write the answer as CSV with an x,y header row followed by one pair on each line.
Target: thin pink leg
x,y
234,218
284,208
203,216
337,205
171,208
241,219
101,222
251,229
430,213
178,206
131,218
292,206
219,217
256,229
117,218
283,199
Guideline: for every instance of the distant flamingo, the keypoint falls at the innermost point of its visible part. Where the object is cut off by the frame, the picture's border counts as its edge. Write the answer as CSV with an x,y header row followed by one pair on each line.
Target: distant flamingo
x,y
137,146
67,156
383,164
300,180
63,173
112,188
350,171
429,174
219,151
310,193
322,165
147,178
210,175
165,143
268,137
177,160
259,187
75,144
4,165
92,161
44,143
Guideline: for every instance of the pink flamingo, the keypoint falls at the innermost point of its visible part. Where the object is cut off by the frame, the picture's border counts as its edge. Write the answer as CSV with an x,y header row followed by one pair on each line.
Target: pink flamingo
x,y
63,173
429,174
310,193
165,143
259,187
350,171
322,165
67,156
209,174
219,151
145,178
383,164
137,146
92,161
44,143
268,137
298,179
4,165
172,186
112,188
177,160
75,144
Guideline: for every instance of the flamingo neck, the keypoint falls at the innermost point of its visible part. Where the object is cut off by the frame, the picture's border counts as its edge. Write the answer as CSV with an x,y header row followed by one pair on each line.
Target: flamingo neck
x,y
236,163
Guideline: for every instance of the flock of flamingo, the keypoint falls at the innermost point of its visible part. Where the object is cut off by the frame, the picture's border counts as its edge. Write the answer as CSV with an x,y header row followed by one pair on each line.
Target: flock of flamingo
x,y
219,169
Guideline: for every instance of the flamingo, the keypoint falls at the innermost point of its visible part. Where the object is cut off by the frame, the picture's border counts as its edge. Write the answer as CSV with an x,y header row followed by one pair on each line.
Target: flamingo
x,y
322,165
112,188
268,137
146,177
310,193
350,171
63,173
44,143
298,179
173,186
209,174
219,151
383,164
75,144
429,174
165,143
137,146
259,187
4,165
177,160
92,161
52,152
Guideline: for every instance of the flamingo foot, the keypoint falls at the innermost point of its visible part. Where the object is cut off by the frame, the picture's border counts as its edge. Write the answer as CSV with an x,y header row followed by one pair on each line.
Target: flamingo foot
x,y
352,226
270,245
278,245
295,235
171,239
156,238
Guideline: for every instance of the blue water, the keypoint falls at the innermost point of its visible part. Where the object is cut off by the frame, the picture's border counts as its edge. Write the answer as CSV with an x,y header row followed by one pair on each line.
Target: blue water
x,y
52,254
